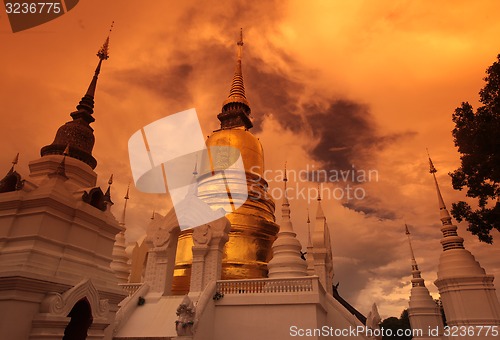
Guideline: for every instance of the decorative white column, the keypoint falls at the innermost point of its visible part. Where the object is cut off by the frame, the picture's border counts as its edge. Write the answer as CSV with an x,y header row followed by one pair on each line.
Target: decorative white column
x,y
161,257
209,240
322,250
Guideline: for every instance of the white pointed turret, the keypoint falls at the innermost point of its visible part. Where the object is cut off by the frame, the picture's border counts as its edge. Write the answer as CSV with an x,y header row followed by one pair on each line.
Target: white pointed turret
x,y
286,261
321,248
423,311
417,280
310,255
120,264
467,292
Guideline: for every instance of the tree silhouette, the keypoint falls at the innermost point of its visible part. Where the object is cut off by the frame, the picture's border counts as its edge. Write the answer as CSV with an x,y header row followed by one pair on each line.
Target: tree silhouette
x,y
394,324
477,137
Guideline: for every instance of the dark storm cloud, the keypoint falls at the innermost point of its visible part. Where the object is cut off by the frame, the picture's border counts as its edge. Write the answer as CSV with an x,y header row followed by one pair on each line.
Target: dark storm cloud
x,y
170,82
371,206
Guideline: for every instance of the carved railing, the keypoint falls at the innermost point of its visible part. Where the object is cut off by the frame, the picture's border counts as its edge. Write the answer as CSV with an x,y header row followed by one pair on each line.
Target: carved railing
x,y
263,286
130,288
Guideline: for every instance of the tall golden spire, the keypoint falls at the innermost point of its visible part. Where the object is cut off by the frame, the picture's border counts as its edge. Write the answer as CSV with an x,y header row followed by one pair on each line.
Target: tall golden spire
x,y
78,132
237,91
236,108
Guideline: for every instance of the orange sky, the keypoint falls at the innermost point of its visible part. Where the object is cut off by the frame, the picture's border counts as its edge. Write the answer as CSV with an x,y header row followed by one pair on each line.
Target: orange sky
x,y
331,83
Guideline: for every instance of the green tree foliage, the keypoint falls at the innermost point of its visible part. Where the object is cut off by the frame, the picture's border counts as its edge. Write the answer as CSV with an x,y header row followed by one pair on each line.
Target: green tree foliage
x,y
477,137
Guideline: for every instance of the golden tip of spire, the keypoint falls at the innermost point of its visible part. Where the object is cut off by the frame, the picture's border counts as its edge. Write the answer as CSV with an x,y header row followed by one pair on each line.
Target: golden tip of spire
x,y
110,181
407,231
319,191
285,178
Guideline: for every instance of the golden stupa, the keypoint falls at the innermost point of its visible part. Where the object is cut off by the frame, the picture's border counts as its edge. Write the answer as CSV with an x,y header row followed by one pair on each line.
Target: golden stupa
x,y
253,227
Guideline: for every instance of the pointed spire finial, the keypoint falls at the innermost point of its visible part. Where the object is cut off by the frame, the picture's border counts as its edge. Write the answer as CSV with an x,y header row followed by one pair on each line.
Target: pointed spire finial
x,y
128,191
195,170
103,52
417,278
309,240
319,191
407,232
450,240
61,169
12,180
240,43
16,160
153,215
66,150
285,179
107,195
432,169
236,108
126,198
87,102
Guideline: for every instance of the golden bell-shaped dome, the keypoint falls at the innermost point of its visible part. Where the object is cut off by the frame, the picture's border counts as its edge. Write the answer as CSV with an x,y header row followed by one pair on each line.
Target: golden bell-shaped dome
x,y
253,227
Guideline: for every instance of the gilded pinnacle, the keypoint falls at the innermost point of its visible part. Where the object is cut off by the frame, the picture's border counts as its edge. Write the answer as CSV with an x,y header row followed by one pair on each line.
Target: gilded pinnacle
x,y
237,91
